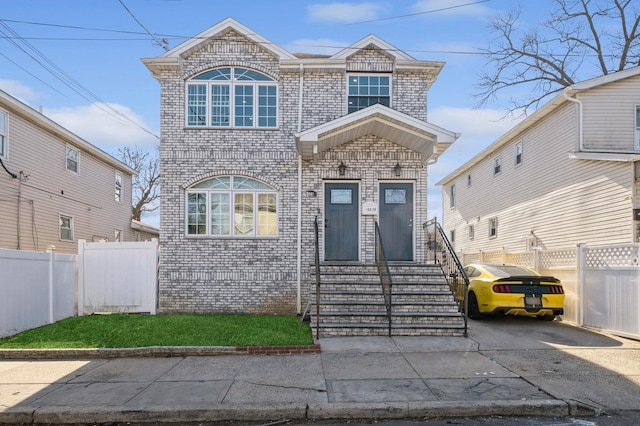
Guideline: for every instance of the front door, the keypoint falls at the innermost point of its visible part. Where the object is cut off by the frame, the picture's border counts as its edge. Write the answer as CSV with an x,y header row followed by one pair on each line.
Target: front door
x,y
396,220
341,221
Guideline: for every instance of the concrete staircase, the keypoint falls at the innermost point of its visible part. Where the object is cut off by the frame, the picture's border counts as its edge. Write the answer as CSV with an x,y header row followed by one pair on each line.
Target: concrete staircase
x,y
352,303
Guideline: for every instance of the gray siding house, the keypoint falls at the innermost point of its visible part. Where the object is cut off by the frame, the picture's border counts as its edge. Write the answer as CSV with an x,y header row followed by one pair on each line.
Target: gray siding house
x,y
55,187
257,143
567,174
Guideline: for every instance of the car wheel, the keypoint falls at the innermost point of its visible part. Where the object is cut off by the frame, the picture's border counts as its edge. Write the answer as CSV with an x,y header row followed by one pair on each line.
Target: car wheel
x,y
474,310
546,317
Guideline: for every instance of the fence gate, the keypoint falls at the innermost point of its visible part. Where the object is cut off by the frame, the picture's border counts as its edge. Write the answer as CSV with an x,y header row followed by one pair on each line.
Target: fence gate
x,y
117,277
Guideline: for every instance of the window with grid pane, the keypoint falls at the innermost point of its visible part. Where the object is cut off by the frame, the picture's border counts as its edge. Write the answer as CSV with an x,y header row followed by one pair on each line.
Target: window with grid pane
x,y
232,97
367,90
226,206
3,134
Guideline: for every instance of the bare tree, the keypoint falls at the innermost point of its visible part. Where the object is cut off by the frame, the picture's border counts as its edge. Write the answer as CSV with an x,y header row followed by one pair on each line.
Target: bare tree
x,y
581,39
146,185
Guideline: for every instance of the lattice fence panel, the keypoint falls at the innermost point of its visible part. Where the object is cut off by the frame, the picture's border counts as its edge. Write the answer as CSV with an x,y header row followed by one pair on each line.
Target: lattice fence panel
x,y
558,258
612,256
522,259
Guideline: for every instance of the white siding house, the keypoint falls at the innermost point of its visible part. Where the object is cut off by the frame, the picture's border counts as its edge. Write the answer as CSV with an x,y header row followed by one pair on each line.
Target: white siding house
x,y
56,188
565,175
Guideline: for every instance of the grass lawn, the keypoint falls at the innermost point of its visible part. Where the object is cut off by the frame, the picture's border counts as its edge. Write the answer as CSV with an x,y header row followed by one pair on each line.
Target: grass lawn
x,y
129,331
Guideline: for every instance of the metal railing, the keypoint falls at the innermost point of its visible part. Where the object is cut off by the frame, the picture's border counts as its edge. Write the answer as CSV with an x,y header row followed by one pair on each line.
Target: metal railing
x,y
317,262
385,275
440,251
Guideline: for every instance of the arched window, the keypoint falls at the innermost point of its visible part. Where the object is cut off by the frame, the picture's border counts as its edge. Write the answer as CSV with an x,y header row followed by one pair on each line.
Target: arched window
x,y
232,97
225,206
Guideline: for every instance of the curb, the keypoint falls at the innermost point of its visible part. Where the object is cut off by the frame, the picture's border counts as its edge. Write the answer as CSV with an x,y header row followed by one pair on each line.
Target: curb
x,y
158,352
293,411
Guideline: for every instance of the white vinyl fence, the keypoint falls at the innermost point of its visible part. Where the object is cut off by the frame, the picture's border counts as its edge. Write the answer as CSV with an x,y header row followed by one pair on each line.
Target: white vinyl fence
x,y
602,284
36,289
117,277
41,288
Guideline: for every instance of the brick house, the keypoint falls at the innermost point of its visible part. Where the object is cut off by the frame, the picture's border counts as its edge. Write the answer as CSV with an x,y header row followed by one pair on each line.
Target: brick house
x,y
256,143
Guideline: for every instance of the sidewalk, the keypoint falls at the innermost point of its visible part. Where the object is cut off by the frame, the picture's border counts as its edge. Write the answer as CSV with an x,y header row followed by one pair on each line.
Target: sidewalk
x,y
512,367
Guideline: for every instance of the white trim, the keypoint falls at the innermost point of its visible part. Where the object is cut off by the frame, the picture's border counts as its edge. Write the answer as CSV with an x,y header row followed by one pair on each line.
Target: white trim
x,y
71,226
605,156
227,24
371,39
5,147
115,187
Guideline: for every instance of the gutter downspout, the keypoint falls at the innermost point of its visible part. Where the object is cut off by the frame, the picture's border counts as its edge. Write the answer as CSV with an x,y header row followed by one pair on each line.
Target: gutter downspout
x,y
299,254
579,102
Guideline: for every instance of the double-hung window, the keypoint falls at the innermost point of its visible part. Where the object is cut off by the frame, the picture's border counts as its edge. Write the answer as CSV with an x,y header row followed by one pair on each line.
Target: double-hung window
x,y
3,134
497,166
232,97
493,227
65,224
232,206
637,132
73,159
452,196
367,90
518,153
118,187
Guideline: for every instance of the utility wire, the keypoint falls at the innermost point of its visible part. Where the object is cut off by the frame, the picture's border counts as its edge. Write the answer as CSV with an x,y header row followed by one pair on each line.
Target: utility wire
x,y
67,79
162,43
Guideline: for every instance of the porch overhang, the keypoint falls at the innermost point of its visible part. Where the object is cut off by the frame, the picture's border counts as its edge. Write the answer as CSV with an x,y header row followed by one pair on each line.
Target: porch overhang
x,y
417,135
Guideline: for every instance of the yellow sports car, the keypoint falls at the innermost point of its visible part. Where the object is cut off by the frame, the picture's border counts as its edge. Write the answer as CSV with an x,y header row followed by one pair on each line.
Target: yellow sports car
x,y
499,289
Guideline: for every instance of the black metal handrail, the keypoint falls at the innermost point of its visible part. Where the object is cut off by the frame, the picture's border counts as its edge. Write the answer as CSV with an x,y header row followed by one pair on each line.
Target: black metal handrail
x,y
442,253
317,262
385,275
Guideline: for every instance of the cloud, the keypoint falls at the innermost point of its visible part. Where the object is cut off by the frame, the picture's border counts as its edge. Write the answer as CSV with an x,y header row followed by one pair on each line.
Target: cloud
x,y
441,8
324,46
344,12
478,128
101,124
24,94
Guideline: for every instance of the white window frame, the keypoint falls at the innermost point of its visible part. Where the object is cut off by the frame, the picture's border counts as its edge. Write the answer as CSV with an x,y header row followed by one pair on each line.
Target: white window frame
x,y
452,236
518,154
4,134
636,142
232,84
471,232
493,227
117,235
62,216
232,191
497,166
71,148
369,75
469,180
452,195
118,187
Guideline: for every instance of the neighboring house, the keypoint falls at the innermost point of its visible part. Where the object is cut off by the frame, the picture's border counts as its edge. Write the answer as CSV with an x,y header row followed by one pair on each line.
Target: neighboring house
x,y
258,142
143,231
56,188
567,174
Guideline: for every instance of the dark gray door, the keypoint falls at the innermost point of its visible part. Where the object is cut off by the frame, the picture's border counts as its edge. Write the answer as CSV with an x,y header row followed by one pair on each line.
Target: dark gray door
x,y
396,220
341,221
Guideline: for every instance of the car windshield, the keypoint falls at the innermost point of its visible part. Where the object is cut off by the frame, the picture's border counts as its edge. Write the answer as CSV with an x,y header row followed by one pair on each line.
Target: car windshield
x,y
504,271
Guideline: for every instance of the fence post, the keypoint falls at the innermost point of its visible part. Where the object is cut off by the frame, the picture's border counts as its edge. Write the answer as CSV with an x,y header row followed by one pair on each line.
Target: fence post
x,y
536,258
580,264
80,280
52,276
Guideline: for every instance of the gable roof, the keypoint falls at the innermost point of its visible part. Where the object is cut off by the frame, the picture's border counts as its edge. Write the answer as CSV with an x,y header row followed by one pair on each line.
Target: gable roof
x,y
372,40
171,60
13,105
548,108
427,139
222,27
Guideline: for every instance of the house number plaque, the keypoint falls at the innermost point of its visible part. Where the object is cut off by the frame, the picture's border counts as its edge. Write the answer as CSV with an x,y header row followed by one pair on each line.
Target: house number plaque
x,y
369,209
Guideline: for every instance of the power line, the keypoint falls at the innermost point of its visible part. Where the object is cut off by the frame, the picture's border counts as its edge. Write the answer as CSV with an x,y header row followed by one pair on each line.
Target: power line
x,y
418,13
162,43
67,79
